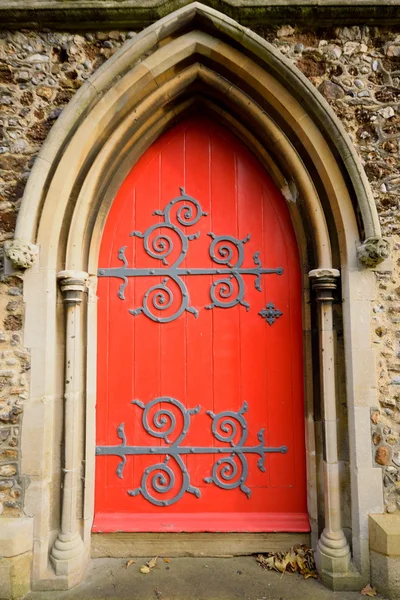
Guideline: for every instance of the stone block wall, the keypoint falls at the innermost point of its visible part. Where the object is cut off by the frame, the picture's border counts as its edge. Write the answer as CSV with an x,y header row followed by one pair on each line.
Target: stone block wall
x,y
356,69
14,368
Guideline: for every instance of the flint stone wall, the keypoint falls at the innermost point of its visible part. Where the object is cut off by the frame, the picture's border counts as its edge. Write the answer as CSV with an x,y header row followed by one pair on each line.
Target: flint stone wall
x,y
357,69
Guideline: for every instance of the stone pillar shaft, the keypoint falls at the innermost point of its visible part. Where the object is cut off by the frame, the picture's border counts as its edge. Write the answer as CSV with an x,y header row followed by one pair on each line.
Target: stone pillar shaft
x,y
333,552
68,550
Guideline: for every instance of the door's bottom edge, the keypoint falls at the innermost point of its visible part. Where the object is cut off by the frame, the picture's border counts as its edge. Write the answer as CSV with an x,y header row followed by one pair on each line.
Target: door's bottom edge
x,y
201,522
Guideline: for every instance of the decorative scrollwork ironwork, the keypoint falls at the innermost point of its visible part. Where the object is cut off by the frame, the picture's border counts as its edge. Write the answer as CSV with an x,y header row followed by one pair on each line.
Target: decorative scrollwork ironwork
x,y
164,416
229,472
270,313
225,250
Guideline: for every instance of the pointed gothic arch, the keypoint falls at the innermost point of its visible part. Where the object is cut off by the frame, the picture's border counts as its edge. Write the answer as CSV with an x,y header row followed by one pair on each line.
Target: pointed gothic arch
x,y
193,59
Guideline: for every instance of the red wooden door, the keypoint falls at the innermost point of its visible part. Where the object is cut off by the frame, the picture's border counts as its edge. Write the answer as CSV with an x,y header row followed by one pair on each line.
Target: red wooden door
x,y
200,422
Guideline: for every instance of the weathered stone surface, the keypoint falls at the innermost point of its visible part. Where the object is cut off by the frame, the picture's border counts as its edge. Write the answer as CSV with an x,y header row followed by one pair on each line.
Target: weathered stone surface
x,y
285,31
44,92
373,251
21,254
375,417
7,471
382,455
4,434
388,481
387,112
8,455
13,322
10,413
331,91
393,50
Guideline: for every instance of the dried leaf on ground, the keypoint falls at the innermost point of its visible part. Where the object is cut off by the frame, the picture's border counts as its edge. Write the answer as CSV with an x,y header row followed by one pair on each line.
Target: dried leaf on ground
x,y
298,559
152,563
129,563
144,569
166,560
281,565
368,591
307,574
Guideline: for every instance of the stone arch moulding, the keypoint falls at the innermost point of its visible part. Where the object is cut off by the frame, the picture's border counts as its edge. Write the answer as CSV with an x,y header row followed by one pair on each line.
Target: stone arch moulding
x,y
194,58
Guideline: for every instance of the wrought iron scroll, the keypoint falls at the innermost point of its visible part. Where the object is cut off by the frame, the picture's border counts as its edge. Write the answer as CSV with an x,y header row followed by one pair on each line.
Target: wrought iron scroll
x,y
226,251
229,472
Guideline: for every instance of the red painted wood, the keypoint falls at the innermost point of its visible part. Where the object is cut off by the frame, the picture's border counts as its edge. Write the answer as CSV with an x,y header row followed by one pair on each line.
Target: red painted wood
x,y
218,360
210,521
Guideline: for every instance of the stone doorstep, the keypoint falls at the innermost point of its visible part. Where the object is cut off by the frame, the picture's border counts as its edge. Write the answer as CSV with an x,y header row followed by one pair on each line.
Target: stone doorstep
x,y
384,534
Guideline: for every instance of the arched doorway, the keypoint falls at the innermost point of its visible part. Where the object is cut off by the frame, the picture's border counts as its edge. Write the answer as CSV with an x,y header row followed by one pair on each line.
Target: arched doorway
x,y
195,58
200,412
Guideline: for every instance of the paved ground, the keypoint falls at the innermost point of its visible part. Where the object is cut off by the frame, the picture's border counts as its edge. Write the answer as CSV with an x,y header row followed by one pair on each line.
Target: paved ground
x,y
238,578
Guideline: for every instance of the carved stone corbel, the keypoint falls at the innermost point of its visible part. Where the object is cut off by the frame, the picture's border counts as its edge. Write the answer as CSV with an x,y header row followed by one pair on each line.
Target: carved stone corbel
x,y
373,251
20,253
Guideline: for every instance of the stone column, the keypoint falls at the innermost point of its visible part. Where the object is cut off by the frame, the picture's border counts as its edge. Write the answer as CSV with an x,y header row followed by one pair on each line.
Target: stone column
x,y
68,552
333,552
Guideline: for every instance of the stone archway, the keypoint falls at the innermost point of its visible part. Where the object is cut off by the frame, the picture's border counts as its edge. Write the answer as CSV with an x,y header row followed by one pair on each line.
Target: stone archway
x,y
195,57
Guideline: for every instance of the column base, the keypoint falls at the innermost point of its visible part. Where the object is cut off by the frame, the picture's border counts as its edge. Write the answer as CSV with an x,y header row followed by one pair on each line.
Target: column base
x,y
333,552
351,581
333,561
69,557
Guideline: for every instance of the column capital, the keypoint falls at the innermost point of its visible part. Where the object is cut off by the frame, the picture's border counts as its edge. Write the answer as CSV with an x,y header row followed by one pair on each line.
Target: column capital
x,y
72,284
323,281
